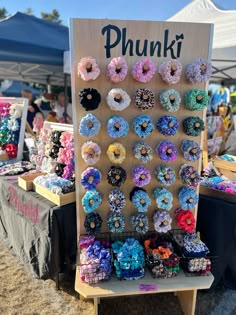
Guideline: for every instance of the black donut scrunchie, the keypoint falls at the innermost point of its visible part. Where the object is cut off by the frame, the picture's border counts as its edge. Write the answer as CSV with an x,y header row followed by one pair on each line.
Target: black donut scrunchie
x,y
90,99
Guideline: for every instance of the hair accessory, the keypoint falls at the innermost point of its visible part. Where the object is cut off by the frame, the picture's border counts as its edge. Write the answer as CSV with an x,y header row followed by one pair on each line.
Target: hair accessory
x,y
117,69
191,150
90,152
66,139
143,70
116,153
89,99
117,127
64,155
170,100
185,220
163,198
116,222
69,171
13,110
116,200
88,69
144,99
118,99
189,175
91,200
165,175
167,151
193,246
11,150
195,99
162,221
4,135
116,176
140,199
13,125
141,176
139,222
59,169
193,126
53,153
55,137
188,198
89,126
168,125
93,223
200,70
143,152
143,126
170,71
90,178
13,137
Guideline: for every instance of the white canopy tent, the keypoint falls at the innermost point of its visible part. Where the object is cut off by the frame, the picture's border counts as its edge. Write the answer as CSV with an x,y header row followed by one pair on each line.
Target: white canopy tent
x,y
224,42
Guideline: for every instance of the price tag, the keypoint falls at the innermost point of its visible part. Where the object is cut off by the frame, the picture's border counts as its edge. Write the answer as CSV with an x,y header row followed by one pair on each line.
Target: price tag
x,y
148,287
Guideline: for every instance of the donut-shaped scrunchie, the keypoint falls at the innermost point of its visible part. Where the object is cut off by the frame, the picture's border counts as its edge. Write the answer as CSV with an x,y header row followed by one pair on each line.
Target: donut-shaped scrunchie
x,y
117,69
116,153
89,126
140,223
193,126
167,151
163,198
89,99
168,125
185,220
143,126
140,199
90,152
90,178
195,99
144,99
143,152
165,175
88,69
162,221
141,176
170,100
191,150
55,137
189,175
199,70
115,222
116,200
118,99
116,176
143,70
91,200
117,127
170,71
93,223
188,198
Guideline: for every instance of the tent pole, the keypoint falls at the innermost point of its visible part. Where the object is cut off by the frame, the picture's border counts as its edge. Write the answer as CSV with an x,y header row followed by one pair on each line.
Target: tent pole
x,y
66,95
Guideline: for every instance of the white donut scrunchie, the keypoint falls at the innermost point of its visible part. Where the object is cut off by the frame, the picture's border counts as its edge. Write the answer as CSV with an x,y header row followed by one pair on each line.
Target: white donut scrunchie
x,y
118,99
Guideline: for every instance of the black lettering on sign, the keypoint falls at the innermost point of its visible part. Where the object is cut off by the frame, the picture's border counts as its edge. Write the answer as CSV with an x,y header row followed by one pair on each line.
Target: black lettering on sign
x,y
107,29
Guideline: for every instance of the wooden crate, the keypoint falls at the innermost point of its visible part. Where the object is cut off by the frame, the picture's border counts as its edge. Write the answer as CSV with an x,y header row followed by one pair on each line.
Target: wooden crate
x,y
26,181
226,168
4,157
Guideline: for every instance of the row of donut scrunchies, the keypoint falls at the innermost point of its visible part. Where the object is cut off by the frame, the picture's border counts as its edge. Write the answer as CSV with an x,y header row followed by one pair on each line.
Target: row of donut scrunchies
x,y
143,70
118,99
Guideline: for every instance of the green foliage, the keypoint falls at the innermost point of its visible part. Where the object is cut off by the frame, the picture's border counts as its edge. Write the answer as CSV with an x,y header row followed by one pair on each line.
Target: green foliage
x,y
29,11
3,13
54,16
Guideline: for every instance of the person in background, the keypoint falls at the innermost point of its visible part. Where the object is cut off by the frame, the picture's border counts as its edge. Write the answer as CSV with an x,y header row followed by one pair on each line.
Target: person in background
x,y
60,109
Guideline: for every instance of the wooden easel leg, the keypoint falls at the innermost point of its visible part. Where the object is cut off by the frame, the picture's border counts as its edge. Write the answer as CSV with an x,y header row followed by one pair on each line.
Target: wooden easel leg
x,y
96,302
187,300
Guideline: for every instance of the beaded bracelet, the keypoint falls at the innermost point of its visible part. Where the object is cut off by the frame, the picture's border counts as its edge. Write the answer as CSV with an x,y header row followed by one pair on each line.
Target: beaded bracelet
x,y
167,151
143,152
170,100
140,223
193,126
168,125
162,221
189,175
116,153
191,150
188,198
185,220
144,99
91,200
116,176
90,152
117,127
143,126
140,199
93,223
88,69
195,99
89,126
165,175
89,99
199,70
141,176
116,222
117,69
143,70
55,137
90,178
118,99
170,71
116,200
163,198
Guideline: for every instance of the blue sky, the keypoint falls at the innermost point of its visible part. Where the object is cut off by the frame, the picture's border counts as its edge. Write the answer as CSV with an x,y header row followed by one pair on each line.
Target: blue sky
x,y
117,9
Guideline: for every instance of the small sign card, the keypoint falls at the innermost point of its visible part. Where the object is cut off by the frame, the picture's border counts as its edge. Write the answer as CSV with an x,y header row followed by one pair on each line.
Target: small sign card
x,y
148,287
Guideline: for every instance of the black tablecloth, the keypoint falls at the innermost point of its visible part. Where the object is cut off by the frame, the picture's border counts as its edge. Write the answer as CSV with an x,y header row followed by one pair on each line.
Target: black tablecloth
x,y
217,225
41,234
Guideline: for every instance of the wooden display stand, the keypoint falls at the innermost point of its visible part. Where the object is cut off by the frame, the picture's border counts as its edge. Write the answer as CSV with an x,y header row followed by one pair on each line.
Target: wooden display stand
x,y
161,41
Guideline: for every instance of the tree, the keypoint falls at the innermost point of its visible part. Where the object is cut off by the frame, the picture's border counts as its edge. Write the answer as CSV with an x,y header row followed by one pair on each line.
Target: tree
x,y
3,13
54,16
29,11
